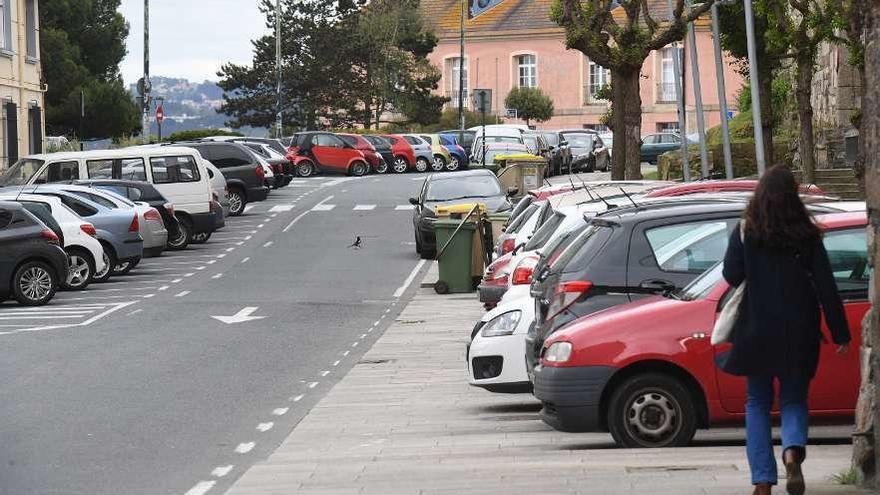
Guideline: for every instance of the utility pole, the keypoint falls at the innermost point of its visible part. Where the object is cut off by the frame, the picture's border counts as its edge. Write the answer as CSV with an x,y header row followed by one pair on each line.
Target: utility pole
x,y
461,80
679,95
698,97
279,123
757,121
145,131
722,94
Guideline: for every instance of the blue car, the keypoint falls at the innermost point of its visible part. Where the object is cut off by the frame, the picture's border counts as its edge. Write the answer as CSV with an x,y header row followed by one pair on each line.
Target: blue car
x,y
117,229
449,142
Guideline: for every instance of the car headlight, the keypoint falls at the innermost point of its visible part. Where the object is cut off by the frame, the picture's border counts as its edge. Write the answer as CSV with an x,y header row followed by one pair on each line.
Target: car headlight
x,y
558,352
503,324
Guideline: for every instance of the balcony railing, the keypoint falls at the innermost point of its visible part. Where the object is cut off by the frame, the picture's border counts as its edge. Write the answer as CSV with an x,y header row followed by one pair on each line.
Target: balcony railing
x,y
666,92
453,99
590,96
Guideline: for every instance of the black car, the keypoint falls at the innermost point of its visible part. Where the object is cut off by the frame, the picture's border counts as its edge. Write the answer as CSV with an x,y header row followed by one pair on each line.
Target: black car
x,y
560,154
383,147
465,139
146,193
626,254
239,165
588,152
470,186
32,262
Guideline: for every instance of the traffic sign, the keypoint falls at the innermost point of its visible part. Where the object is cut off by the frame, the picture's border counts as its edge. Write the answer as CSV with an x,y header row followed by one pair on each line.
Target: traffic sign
x,y
483,100
160,114
510,112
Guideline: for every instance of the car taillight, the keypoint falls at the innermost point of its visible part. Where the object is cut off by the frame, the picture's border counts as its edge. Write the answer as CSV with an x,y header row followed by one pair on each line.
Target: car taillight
x,y
566,295
89,229
507,245
523,273
50,236
153,215
260,172
135,224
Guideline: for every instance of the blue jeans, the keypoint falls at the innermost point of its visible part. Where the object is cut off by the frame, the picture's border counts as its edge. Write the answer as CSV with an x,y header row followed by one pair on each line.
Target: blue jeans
x,y
795,422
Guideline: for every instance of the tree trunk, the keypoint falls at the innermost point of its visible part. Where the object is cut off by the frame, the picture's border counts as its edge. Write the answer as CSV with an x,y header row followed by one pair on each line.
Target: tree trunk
x,y
626,116
804,92
867,443
767,116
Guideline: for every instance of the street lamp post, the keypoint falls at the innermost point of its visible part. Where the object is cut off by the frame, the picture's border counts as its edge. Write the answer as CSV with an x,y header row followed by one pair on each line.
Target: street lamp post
x,y
145,118
722,94
461,81
760,159
679,95
279,123
698,98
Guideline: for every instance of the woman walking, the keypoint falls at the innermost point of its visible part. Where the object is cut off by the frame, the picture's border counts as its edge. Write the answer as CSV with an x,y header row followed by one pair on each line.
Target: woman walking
x,y
778,252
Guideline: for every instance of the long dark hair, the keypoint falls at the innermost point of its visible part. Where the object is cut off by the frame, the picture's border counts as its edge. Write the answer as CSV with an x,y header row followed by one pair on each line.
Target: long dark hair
x,y
776,217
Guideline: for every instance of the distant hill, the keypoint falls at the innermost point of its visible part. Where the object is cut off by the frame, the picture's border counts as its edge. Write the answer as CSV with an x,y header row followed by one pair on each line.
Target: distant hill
x,y
190,106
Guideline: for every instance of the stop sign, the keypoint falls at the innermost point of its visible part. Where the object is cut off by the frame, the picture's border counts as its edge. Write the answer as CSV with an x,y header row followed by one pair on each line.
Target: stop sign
x,y
160,114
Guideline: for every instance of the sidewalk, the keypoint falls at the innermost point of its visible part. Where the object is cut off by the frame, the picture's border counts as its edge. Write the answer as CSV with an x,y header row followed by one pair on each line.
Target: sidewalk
x,y
405,421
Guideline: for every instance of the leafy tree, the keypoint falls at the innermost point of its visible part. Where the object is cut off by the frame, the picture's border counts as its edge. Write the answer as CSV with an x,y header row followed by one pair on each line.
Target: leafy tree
x,y
82,43
530,104
198,134
619,35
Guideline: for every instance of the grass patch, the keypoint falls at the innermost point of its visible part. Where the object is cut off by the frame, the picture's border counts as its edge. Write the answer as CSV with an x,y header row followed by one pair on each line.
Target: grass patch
x,y
653,175
849,477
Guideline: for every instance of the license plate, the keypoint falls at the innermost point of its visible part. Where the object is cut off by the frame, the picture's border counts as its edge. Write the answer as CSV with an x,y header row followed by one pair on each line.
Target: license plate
x,y
530,177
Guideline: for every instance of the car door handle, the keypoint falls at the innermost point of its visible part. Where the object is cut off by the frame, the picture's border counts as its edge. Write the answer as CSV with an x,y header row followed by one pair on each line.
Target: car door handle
x,y
658,285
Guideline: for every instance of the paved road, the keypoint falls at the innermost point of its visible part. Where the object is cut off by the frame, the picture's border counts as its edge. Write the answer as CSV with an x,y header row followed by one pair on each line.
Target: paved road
x,y
132,387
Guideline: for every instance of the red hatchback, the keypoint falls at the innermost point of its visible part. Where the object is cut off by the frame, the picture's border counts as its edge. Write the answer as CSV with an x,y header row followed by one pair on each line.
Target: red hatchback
x,y
377,163
717,186
311,152
404,156
645,371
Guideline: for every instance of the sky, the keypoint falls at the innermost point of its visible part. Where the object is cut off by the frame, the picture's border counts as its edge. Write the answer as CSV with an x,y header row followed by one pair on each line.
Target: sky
x,y
190,38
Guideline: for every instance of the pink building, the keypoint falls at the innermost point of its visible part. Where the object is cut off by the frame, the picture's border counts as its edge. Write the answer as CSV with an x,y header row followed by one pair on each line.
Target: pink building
x,y
510,43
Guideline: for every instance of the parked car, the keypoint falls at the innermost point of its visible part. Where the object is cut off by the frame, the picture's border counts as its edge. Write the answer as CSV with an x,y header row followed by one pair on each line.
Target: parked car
x,y
464,138
450,189
404,155
456,151
480,142
560,154
242,170
78,238
383,147
587,151
536,144
282,169
374,158
645,371
443,159
179,173
219,200
720,186
275,144
423,151
313,152
654,145
493,150
608,139
32,263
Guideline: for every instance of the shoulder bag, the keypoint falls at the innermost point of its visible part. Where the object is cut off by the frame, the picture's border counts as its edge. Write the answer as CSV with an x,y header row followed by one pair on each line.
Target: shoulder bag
x,y
723,330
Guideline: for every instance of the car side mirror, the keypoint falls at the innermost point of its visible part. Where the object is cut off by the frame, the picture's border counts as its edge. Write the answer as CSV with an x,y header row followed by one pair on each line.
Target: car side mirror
x,y
563,143
512,191
414,201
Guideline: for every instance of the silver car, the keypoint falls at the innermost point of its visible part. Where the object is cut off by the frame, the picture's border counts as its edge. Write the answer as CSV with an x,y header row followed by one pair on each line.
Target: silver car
x,y
423,151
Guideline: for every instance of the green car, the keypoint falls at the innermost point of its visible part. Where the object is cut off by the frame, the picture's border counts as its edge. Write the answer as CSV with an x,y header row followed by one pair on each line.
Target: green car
x,y
655,145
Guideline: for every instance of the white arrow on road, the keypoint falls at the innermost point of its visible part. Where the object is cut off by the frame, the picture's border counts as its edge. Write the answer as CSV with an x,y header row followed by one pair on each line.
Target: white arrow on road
x,y
240,317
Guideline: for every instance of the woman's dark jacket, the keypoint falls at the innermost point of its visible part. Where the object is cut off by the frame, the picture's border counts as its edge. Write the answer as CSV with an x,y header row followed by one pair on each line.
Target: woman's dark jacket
x,y
778,328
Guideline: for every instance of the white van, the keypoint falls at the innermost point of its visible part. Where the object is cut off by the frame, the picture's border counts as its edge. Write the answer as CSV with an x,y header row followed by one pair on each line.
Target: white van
x,y
178,173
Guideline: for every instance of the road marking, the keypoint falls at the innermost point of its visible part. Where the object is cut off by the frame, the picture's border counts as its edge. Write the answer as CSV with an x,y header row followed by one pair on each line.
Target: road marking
x,y
211,262
325,373
215,277
298,398
364,207
406,283
323,207
376,323
239,243
164,287
229,250
221,471
187,275
201,488
177,281
244,448
281,411
387,310
221,255
281,208
354,344
248,237
264,427
182,294
313,384
345,353
261,226
248,208
404,207
363,335
240,317
336,363
149,296
297,219
268,244
246,259
134,312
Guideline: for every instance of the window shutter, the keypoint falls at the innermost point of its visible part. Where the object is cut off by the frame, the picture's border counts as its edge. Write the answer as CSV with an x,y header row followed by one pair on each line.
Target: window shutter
x,y
11,132
36,118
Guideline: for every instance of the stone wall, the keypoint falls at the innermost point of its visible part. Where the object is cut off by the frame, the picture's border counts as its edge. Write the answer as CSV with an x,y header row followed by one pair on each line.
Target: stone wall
x,y
836,98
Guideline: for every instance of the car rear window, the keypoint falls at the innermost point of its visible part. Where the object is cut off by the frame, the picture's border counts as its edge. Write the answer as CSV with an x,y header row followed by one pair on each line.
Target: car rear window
x,y
174,169
514,226
848,254
545,232
691,247
584,249
351,140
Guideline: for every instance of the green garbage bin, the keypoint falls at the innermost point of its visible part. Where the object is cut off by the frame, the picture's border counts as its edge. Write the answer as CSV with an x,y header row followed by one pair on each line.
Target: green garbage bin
x,y
455,261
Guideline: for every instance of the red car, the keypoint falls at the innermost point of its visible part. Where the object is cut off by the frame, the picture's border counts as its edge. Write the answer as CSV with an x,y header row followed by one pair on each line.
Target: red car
x,y
715,186
404,156
645,371
377,163
311,152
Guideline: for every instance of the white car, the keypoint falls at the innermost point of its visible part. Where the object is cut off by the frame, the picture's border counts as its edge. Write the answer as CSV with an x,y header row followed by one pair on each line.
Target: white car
x,y
496,355
85,256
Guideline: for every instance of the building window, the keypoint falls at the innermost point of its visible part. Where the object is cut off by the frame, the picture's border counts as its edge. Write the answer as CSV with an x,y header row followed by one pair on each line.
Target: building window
x,y
666,86
6,25
665,127
597,77
597,127
458,81
31,28
528,71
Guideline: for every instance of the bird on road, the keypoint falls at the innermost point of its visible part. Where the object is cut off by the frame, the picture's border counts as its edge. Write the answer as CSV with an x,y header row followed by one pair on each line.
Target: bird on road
x,y
357,244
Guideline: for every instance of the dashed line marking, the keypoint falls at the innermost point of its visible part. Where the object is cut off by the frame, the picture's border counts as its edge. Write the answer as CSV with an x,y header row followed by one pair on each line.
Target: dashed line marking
x,y
325,373
229,250
345,353
297,219
281,411
261,226
244,448
323,207
298,398
404,207
264,427
354,344
268,244
248,237
239,243
201,488
134,312
177,281
336,363
246,259
216,276
313,384
164,287
286,207
183,294
364,207
201,267
376,323
187,275
224,255
149,296
221,471
363,335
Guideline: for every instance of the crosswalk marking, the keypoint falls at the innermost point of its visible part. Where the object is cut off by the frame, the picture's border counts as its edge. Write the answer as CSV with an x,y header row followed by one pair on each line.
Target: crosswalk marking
x,y
364,207
404,207
323,207
280,208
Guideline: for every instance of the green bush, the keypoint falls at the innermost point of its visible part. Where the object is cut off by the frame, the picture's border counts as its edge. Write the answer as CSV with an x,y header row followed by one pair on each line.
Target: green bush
x,y
198,134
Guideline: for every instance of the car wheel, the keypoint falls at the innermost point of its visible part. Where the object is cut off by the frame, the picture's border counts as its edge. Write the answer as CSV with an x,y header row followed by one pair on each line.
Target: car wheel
x,y
422,164
305,168
80,270
201,238
180,241
438,164
237,202
123,267
358,169
400,165
651,411
109,263
382,167
34,284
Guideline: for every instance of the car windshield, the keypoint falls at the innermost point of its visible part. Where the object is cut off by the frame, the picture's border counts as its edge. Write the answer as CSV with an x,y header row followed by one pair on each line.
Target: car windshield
x,y
531,142
552,138
702,285
514,226
503,139
545,232
473,186
580,140
20,173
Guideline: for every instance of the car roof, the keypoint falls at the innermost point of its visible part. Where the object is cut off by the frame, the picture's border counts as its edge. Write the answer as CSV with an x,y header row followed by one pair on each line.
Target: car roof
x,y
9,205
117,182
672,207
460,174
98,154
843,219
